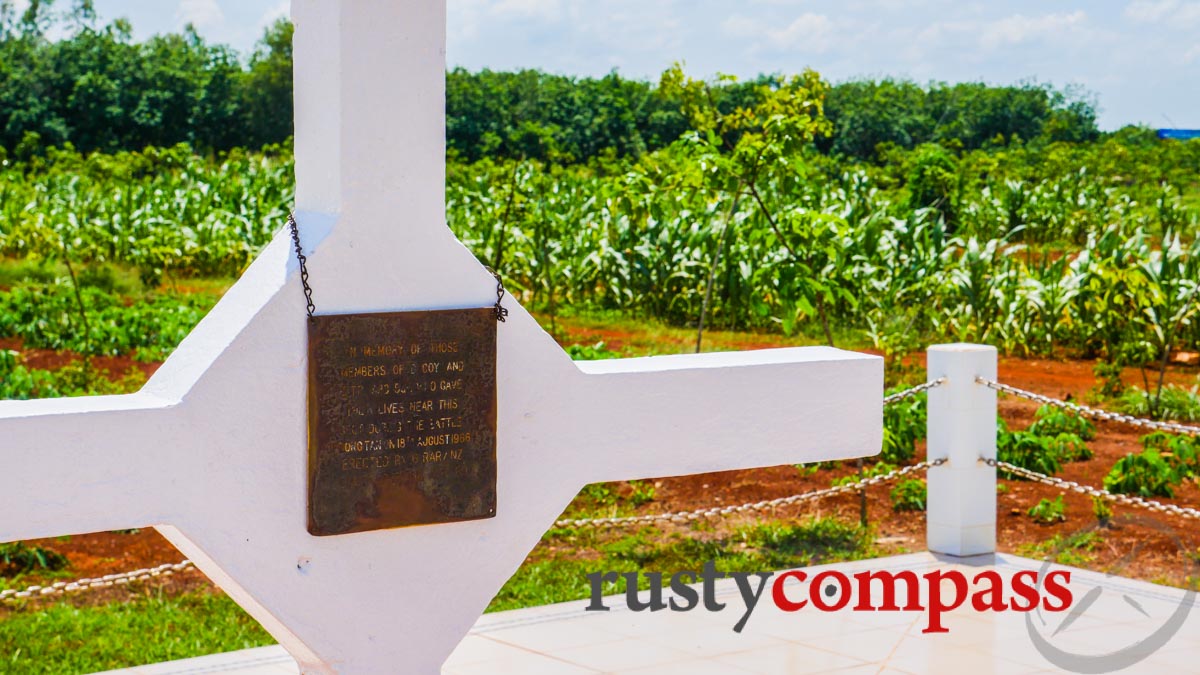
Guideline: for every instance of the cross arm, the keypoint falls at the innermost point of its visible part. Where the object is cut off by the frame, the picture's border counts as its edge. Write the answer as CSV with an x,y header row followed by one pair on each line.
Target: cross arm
x,y
108,449
675,415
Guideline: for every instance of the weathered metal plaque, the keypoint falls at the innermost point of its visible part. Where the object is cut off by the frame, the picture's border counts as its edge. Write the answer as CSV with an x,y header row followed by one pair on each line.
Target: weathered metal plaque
x,y
402,419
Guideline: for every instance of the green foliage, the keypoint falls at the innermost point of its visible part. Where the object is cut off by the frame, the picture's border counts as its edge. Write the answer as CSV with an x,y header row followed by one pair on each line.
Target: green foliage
x,y
47,316
592,352
1181,452
1028,451
19,558
903,425
812,541
19,382
1102,509
877,469
75,379
772,545
933,181
1172,402
600,494
66,640
97,89
909,495
1048,512
870,115
1073,549
1145,474
163,211
641,493
1054,437
1068,447
1052,421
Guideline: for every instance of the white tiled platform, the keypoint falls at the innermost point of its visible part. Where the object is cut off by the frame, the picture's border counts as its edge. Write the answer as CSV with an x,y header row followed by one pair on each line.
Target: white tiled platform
x,y
565,639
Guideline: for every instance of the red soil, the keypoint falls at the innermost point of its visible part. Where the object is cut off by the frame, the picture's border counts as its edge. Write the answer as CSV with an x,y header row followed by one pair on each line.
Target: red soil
x,y
103,553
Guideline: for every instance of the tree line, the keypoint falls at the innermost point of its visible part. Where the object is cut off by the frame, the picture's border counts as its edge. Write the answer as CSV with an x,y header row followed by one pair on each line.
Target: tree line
x,y
64,78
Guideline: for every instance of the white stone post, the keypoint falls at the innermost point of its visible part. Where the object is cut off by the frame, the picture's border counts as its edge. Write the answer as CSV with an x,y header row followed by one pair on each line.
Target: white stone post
x,y
961,503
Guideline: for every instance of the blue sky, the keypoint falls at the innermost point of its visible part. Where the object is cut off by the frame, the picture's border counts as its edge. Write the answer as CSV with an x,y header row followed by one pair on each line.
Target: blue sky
x,y
1140,57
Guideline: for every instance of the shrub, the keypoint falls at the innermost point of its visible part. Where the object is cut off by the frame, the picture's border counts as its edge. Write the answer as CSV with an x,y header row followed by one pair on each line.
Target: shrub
x,y
591,352
1052,421
1102,510
1069,448
903,426
1174,403
1028,451
19,382
643,493
877,469
1181,452
18,558
1048,512
1145,474
909,495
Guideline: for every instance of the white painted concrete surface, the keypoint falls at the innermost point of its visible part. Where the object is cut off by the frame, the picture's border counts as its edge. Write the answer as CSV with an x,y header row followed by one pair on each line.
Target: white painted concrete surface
x,y
213,450
565,639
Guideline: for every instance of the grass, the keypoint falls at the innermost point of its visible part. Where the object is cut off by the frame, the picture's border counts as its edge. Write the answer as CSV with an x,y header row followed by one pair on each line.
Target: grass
x,y
63,640
630,336
1074,549
549,577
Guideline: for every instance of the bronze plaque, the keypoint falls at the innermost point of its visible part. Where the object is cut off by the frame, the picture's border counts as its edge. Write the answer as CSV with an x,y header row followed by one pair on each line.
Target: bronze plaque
x,y
402,419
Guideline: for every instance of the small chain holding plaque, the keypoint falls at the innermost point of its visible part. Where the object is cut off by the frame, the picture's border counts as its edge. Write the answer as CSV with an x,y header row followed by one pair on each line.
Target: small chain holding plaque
x,y
401,415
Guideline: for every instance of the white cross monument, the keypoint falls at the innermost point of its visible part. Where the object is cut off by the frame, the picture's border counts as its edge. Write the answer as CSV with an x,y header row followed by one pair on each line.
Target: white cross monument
x,y
212,451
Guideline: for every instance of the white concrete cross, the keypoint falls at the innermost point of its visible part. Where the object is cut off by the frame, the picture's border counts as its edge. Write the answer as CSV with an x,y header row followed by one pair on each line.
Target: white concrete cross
x,y
213,450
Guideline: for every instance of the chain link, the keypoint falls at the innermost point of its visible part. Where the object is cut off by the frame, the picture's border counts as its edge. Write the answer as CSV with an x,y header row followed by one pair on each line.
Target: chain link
x,y
913,391
718,511
105,581
300,257
1094,413
1072,486
501,310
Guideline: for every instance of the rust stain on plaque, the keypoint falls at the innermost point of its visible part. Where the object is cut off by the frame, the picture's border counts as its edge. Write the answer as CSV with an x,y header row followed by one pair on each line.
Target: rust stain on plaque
x,y
402,419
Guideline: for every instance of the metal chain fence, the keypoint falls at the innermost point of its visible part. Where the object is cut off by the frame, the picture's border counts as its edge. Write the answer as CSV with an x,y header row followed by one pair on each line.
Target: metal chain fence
x,y
913,391
1072,486
105,581
1094,413
718,511
681,517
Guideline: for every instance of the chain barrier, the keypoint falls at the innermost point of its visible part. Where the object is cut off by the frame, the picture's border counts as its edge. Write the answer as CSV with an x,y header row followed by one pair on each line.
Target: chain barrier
x,y
913,391
1094,413
683,517
1072,486
718,511
99,582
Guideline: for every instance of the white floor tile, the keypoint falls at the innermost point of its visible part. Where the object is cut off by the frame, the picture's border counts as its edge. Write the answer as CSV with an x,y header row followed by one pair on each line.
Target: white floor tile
x,y
788,659
625,655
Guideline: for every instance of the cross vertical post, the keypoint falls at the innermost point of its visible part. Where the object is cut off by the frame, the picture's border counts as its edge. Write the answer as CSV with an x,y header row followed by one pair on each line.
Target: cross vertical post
x,y
213,450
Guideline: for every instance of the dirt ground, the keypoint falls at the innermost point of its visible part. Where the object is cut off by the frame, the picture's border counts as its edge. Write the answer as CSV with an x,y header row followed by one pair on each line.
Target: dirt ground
x,y
1132,550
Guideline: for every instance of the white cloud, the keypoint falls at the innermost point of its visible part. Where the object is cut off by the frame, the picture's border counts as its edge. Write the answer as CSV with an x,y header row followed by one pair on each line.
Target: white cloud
x,y
1150,10
809,32
741,26
546,10
199,13
1192,55
1169,12
1019,28
1188,15
277,11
